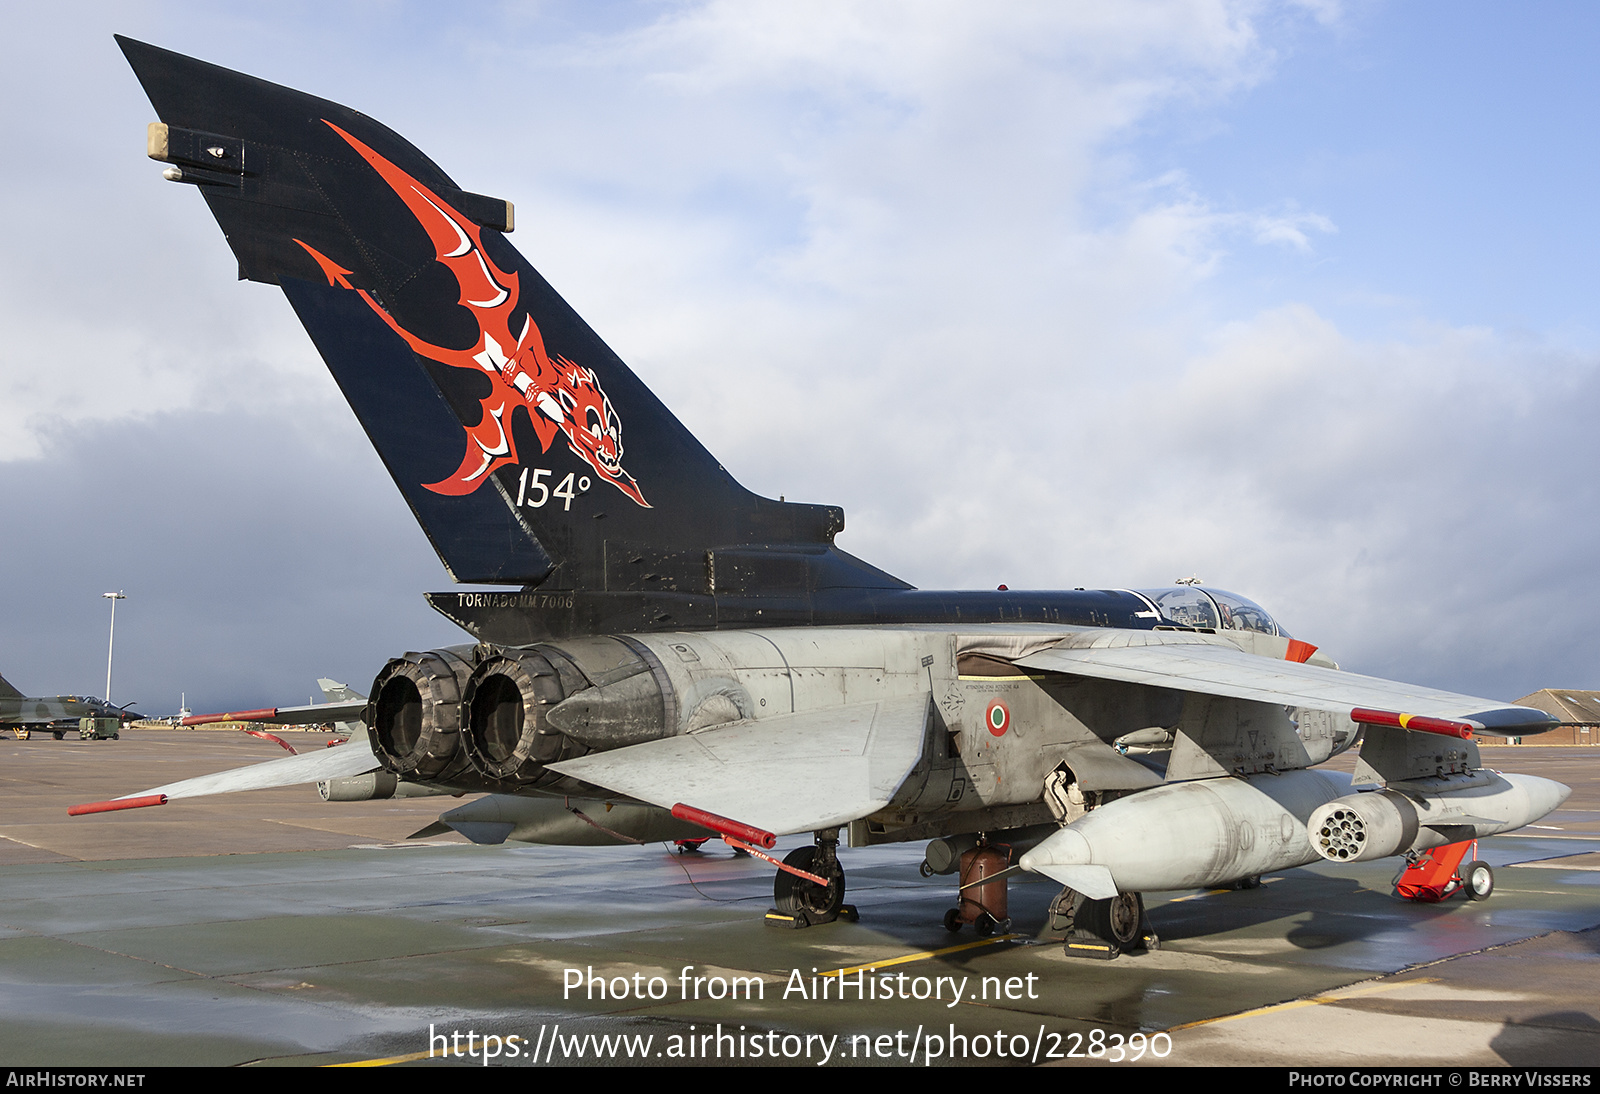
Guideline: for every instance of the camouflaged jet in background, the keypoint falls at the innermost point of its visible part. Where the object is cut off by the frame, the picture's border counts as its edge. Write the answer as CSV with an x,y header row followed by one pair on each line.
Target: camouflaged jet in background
x,y
673,656
56,714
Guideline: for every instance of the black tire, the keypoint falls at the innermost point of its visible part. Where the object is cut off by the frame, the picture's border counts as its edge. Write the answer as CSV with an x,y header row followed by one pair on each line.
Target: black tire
x,y
952,920
984,925
58,735
793,895
1116,920
1478,880
1003,926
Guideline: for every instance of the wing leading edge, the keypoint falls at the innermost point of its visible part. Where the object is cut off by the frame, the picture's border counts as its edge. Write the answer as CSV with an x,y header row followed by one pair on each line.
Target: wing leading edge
x,y
1212,665
313,714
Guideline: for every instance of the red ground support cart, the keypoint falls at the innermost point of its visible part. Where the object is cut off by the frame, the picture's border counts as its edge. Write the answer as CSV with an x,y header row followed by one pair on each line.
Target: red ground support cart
x,y
1437,874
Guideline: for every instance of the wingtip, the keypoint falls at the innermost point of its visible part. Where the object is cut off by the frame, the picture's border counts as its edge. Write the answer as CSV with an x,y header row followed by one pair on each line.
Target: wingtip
x,y
116,804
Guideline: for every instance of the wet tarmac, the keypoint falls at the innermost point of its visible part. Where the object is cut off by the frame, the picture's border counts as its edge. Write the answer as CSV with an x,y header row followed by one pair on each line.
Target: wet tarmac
x,y
272,928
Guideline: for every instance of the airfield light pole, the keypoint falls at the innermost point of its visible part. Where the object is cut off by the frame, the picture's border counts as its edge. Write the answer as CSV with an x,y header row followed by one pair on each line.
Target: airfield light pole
x,y
111,643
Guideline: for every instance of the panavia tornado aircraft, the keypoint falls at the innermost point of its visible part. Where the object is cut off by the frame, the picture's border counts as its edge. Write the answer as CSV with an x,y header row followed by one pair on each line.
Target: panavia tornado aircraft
x,y
55,714
675,656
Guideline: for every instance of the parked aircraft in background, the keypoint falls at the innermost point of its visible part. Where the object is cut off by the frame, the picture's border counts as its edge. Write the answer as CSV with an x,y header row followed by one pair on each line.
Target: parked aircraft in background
x,y
56,714
674,655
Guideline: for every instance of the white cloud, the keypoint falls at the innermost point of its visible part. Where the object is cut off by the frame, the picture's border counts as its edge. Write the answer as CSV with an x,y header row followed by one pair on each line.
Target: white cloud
x,y
1289,228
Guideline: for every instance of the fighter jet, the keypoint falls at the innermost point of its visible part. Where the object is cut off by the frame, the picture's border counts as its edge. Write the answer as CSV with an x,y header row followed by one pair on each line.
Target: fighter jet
x,y
55,714
674,656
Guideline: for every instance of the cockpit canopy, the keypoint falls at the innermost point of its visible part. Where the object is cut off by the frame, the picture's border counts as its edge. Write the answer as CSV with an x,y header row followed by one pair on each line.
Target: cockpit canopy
x,y
1211,609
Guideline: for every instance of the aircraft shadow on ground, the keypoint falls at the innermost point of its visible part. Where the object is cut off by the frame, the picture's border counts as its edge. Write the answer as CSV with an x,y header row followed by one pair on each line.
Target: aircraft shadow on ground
x,y
1557,1039
1340,910
1325,911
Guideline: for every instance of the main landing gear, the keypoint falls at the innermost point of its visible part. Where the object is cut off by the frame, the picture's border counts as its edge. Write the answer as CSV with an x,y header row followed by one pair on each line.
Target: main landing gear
x,y
802,902
1102,929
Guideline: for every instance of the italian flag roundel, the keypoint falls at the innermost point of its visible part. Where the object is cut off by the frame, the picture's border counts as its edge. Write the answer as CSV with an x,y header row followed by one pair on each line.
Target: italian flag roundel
x,y
998,718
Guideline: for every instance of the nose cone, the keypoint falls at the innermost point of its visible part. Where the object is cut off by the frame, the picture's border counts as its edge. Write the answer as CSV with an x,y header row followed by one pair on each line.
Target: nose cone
x,y
1543,795
1066,857
1064,848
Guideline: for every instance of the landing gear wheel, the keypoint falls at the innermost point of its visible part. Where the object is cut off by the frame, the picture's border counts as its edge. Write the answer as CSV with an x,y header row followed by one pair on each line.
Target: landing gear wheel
x,y
58,735
984,925
952,920
1101,929
1478,879
1116,920
796,896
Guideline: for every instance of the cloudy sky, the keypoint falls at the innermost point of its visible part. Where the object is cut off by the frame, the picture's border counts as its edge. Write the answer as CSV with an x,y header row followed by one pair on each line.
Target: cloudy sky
x,y
1297,298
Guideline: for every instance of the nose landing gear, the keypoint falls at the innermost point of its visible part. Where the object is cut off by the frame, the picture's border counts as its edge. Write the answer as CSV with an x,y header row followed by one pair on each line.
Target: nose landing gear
x,y
1102,929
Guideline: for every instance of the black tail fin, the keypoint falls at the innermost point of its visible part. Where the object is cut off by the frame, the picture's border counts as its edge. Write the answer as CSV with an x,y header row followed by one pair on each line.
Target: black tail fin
x,y
7,691
530,454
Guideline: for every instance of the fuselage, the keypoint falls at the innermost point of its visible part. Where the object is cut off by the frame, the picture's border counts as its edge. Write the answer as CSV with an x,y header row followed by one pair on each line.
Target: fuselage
x,y
533,615
57,711
496,716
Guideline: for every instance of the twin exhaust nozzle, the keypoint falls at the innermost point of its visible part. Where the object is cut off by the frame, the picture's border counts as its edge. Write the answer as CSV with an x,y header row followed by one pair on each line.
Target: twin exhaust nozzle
x,y
498,717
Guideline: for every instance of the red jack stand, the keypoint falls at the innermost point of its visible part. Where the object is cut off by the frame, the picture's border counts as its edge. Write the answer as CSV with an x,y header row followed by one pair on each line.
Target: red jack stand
x,y
1438,874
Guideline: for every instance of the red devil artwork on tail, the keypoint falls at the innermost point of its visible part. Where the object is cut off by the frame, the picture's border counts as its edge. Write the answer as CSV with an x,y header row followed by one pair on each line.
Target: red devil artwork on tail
x,y
560,396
